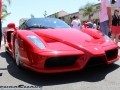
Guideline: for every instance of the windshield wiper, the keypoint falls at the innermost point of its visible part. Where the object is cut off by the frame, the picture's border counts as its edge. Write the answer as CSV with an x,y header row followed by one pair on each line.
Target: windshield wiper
x,y
41,27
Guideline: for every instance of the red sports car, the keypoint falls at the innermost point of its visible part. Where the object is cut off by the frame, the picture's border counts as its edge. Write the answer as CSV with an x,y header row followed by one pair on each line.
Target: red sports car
x,y
49,45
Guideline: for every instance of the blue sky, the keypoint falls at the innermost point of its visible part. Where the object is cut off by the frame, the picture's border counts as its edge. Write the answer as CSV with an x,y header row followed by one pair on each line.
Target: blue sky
x,y
24,8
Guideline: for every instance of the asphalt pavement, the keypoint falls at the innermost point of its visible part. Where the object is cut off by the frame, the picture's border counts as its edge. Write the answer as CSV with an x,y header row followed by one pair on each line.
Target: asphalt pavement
x,y
102,77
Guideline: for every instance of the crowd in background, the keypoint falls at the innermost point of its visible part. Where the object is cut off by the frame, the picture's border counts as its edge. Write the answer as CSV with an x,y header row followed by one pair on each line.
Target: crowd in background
x,y
77,24
109,24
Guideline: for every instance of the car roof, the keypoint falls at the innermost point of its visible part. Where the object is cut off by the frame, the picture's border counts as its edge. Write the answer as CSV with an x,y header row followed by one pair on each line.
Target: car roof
x,y
41,18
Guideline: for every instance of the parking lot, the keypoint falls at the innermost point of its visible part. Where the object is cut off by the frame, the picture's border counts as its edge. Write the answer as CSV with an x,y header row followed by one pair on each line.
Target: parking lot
x,y
91,78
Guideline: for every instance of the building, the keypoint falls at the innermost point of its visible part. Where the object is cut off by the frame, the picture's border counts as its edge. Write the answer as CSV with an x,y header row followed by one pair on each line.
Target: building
x,y
95,17
4,28
68,17
60,14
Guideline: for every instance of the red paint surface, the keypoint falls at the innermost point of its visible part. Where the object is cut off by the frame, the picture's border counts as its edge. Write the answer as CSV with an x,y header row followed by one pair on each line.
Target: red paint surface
x,y
86,44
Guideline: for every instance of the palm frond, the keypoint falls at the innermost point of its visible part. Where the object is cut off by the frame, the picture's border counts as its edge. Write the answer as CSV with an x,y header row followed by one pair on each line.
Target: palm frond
x,y
5,13
9,2
89,9
4,6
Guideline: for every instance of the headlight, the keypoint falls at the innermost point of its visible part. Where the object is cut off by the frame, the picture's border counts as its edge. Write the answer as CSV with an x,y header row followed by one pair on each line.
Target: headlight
x,y
36,41
107,38
101,33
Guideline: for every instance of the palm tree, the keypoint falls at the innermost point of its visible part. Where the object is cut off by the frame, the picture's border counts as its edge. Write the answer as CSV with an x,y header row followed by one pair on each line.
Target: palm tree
x,y
5,13
9,1
89,10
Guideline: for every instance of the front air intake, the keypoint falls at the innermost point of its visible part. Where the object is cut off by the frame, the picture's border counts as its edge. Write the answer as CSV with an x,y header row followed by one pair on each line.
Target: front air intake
x,y
60,61
112,54
96,60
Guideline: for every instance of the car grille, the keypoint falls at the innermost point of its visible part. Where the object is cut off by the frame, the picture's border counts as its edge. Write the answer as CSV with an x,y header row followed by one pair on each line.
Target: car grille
x,y
96,60
112,54
60,61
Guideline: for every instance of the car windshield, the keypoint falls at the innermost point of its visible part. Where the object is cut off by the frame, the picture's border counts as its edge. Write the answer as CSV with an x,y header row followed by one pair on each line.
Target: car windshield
x,y
45,23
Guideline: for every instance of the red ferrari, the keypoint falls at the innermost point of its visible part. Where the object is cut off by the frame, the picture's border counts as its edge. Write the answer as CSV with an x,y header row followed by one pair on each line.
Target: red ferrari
x,y
49,45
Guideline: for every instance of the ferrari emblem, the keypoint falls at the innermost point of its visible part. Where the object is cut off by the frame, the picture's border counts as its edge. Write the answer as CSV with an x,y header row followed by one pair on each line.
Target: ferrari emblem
x,y
96,48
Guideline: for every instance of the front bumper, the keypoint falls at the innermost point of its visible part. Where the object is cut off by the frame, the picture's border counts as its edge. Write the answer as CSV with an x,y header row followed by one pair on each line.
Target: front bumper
x,y
47,62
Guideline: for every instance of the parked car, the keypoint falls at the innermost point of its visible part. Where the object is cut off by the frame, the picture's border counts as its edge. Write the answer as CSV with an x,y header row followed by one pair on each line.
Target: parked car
x,y
49,45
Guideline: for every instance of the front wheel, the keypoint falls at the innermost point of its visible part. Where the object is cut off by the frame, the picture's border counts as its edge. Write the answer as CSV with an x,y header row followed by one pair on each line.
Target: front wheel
x,y
17,54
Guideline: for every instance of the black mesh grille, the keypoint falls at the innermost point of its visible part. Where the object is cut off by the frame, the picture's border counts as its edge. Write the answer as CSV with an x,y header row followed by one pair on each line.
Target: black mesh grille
x,y
96,60
60,61
112,54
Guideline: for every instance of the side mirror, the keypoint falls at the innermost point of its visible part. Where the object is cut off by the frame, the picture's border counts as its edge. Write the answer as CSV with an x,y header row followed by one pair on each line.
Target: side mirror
x,y
12,25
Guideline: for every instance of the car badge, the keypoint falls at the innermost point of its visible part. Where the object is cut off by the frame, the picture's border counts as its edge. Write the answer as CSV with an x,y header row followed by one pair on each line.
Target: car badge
x,y
96,48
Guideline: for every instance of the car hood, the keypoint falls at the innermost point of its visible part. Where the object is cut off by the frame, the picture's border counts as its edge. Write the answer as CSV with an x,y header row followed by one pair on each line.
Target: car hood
x,y
69,36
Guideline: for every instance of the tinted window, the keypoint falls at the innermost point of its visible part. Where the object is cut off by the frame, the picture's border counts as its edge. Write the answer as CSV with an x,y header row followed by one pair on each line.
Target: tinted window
x,y
22,26
48,22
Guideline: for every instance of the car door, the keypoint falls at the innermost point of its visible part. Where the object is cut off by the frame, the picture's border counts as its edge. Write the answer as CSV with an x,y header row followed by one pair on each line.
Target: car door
x,y
22,50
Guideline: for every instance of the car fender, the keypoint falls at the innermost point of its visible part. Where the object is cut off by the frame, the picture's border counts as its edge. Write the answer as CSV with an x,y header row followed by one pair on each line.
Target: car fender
x,y
25,43
93,33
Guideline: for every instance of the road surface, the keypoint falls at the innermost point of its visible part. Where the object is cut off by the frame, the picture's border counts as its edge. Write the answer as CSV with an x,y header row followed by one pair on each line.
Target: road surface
x,y
92,78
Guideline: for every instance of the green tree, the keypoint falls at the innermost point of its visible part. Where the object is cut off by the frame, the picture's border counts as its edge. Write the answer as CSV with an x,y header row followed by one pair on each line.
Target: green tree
x,y
56,15
9,1
5,13
32,16
66,20
45,13
89,10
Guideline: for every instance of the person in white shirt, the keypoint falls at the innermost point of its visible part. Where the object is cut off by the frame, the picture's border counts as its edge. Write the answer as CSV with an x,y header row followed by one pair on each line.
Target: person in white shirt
x,y
105,16
75,23
79,22
94,25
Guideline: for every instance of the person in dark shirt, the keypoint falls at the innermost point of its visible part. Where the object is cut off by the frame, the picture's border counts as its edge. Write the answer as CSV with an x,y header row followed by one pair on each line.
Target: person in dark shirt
x,y
115,26
0,27
90,25
0,22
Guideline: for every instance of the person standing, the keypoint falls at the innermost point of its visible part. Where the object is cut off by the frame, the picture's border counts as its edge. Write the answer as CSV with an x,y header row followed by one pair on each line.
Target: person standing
x,y
79,22
115,26
118,3
105,16
0,22
90,24
0,27
94,25
75,23
98,26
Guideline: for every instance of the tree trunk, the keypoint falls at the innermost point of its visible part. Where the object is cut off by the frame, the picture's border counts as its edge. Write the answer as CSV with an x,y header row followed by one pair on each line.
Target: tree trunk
x,y
89,17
